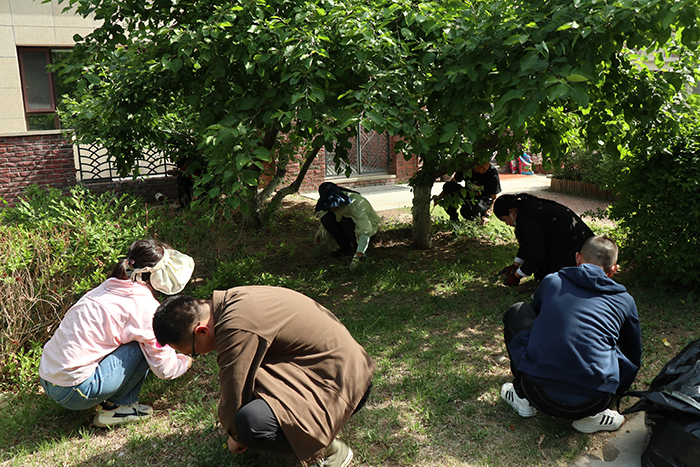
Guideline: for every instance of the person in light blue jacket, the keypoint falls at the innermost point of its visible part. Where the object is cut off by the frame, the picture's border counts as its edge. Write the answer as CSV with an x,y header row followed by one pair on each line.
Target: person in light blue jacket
x,y
577,344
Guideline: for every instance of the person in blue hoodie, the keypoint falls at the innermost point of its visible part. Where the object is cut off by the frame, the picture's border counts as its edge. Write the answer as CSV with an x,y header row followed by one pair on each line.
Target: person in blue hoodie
x,y
576,345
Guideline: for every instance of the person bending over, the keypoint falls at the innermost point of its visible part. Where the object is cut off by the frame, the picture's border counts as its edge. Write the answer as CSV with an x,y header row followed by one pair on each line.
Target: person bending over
x,y
482,187
290,373
549,235
347,224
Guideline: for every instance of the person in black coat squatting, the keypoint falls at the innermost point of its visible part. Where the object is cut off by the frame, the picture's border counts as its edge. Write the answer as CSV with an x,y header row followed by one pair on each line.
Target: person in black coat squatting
x,y
482,187
549,234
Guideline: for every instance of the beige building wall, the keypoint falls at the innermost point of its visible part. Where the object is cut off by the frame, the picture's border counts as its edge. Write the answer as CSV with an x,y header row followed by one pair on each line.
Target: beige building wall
x,y
34,24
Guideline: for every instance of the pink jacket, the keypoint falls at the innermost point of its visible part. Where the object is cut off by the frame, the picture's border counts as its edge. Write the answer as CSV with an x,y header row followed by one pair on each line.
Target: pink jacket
x,y
114,313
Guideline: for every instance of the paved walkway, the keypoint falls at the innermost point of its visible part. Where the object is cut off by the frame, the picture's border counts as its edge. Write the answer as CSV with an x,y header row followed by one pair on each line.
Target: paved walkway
x,y
620,449
383,198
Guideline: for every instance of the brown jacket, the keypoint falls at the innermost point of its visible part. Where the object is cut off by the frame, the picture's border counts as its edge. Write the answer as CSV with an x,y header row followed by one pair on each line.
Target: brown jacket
x,y
281,346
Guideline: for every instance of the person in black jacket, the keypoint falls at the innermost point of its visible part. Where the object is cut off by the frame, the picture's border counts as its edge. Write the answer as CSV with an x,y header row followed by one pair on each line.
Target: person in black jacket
x,y
549,234
576,345
476,198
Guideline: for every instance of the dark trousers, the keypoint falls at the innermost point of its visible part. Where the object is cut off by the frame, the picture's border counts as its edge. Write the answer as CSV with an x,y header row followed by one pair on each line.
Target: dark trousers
x,y
343,232
259,429
520,317
470,209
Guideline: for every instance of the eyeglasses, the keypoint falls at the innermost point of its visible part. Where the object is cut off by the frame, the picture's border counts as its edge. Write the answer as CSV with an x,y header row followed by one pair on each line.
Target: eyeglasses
x,y
194,354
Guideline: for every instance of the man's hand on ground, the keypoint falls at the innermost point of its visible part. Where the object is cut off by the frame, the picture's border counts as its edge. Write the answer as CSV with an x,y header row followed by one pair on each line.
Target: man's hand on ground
x,y
235,446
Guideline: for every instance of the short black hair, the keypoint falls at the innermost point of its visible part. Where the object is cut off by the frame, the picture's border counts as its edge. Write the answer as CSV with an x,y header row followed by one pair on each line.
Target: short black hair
x,y
174,319
600,250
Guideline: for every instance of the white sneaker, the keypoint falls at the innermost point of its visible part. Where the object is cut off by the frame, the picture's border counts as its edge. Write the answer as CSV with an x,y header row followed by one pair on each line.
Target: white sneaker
x,y
607,420
143,408
521,405
122,414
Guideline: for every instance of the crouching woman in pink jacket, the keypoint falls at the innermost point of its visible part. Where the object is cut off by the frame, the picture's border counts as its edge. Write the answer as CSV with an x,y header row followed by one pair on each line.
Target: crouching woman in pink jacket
x,y
105,345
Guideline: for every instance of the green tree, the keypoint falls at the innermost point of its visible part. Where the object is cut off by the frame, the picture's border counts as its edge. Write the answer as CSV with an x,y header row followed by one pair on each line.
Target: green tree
x,y
485,76
228,89
242,86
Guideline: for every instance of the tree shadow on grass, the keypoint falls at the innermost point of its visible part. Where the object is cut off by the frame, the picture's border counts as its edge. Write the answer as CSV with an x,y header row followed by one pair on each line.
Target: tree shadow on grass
x,y
202,448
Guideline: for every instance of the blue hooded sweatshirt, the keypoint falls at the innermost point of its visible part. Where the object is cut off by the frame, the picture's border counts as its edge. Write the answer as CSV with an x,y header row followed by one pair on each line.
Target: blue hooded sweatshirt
x,y
586,339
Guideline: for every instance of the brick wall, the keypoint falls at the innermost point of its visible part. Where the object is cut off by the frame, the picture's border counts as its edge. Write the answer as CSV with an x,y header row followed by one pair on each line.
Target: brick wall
x,y
47,159
31,160
402,168
400,171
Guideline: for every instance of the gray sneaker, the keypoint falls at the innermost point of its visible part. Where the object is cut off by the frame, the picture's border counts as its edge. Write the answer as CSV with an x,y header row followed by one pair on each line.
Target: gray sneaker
x,y
338,454
122,414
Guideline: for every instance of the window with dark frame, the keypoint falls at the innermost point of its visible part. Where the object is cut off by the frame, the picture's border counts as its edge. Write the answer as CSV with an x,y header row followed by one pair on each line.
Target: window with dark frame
x,y
39,86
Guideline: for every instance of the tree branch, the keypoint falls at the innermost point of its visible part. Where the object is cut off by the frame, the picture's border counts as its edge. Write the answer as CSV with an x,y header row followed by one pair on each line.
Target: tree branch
x,y
288,190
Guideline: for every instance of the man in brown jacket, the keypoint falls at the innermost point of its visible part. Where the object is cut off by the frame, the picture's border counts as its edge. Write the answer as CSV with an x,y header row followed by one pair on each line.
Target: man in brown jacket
x,y
291,374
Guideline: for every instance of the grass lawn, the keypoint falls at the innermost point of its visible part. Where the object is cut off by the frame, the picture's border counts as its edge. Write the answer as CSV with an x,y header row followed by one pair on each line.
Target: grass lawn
x,y
431,320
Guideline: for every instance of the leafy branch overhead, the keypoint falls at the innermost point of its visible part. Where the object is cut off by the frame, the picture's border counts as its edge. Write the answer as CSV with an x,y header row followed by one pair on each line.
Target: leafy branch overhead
x,y
235,89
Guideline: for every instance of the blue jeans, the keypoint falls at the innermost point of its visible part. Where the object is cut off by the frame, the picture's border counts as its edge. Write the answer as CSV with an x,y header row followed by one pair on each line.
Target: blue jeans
x,y
118,379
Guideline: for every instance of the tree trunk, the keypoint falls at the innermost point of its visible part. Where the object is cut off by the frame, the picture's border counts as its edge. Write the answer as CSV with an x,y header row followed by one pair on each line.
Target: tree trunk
x,y
276,200
260,213
422,223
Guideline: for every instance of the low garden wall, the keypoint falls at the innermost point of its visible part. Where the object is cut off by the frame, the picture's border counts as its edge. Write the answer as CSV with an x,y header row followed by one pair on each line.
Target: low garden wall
x,y
587,190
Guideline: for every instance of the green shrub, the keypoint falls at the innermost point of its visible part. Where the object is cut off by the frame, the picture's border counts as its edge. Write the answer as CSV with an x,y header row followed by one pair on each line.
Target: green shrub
x,y
53,248
598,168
20,370
99,227
659,212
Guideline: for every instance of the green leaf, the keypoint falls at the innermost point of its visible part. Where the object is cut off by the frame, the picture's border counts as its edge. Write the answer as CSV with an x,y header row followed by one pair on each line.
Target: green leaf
x,y
92,78
517,39
262,153
529,60
304,114
447,136
576,78
558,91
248,103
428,59
318,94
374,117
510,95
580,96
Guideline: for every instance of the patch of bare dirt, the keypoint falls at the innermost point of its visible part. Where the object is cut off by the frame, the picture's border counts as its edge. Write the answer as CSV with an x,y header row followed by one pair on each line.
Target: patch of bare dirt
x,y
295,224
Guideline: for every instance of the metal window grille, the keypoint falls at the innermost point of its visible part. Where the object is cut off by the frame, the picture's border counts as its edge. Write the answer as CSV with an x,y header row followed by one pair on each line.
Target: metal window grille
x,y
370,156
